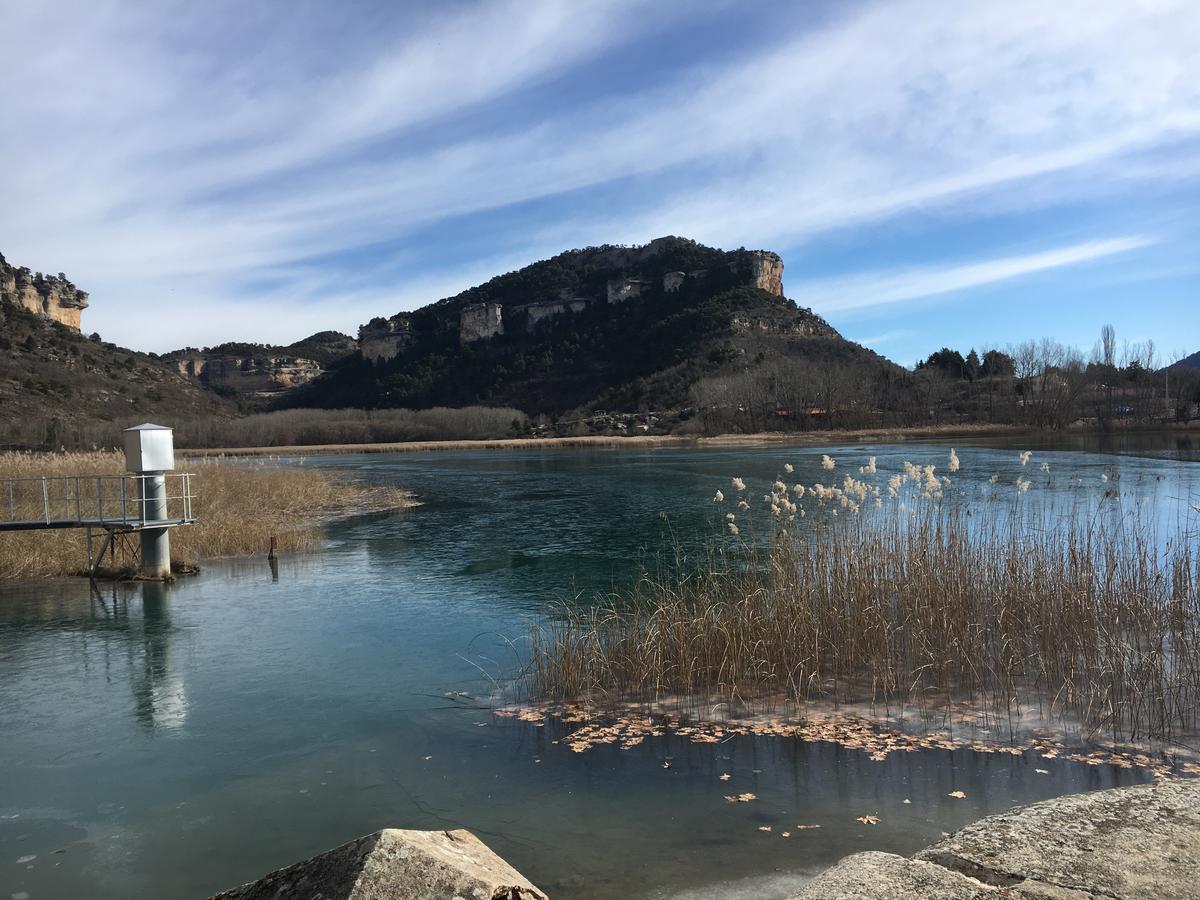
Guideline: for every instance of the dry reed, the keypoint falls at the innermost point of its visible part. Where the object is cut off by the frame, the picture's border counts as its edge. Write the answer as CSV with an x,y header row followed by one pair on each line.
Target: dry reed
x,y
239,506
902,599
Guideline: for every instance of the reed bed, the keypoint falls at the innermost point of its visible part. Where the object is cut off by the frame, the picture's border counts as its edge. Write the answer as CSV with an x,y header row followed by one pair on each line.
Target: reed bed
x,y
901,596
239,506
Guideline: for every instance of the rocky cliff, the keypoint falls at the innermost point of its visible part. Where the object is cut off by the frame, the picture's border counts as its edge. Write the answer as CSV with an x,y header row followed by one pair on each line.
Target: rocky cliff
x,y
50,296
634,272
260,372
610,327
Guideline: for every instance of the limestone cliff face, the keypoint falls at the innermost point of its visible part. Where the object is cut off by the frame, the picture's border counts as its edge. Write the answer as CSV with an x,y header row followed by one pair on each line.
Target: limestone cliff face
x,y
259,375
383,339
767,271
480,321
52,296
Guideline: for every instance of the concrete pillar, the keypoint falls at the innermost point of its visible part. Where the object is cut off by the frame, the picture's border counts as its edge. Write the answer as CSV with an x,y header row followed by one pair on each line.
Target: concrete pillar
x,y
156,542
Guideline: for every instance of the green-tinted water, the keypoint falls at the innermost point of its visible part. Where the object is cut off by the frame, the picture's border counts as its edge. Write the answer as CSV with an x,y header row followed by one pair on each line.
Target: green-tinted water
x,y
169,742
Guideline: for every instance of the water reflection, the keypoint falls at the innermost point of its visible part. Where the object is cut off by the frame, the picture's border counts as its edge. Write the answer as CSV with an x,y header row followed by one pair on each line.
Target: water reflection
x,y
121,631
159,696
264,712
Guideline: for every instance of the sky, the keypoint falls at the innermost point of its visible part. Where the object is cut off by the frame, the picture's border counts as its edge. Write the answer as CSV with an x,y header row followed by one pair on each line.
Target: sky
x,y
932,173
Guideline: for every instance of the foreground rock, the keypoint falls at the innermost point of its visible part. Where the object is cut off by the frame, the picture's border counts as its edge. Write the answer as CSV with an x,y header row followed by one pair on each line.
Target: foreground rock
x,y
1138,842
396,865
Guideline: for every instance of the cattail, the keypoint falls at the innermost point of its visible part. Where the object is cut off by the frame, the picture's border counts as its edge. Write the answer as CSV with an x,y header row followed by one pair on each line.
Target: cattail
x,y
738,484
718,497
827,462
953,460
787,467
1025,454
733,529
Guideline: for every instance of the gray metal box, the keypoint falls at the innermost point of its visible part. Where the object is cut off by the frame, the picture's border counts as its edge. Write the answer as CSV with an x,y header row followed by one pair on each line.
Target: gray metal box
x,y
149,448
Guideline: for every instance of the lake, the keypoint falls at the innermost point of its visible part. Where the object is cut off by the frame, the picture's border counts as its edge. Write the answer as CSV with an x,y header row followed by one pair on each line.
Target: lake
x,y
172,741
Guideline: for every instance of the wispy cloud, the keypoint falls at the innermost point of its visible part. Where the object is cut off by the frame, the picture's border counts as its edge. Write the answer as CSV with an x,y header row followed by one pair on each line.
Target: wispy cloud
x,y
886,337
192,152
878,288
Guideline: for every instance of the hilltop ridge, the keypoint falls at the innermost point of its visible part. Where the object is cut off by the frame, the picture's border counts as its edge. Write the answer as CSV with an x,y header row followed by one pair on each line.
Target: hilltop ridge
x,y
667,325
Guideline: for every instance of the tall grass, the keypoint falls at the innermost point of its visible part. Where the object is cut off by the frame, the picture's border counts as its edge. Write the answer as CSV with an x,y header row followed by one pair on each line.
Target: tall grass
x,y
239,507
905,598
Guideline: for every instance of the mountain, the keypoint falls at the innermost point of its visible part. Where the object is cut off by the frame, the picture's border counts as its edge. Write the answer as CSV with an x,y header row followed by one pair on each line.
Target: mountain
x,y
666,326
1188,362
59,387
257,374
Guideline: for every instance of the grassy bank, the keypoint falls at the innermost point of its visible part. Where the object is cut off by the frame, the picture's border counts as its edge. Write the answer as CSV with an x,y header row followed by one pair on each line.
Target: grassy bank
x,y
893,591
788,439
239,507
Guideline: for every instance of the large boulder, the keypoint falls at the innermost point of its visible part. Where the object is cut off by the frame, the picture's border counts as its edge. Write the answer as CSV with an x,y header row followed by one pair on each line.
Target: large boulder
x,y
396,865
1125,843
886,876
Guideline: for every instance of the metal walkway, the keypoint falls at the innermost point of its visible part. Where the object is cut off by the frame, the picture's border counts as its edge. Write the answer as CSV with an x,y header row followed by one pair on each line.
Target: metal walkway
x,y
110,502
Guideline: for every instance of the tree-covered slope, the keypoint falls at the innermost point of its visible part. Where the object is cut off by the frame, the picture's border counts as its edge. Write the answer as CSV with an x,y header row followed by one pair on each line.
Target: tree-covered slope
x,y
615,328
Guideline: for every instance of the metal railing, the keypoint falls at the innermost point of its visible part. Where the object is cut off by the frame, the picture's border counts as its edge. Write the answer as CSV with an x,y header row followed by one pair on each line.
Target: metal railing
x,y
63,501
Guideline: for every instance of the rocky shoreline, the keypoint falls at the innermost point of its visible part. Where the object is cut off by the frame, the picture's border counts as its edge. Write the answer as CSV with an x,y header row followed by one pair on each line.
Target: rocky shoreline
x,y
1126,843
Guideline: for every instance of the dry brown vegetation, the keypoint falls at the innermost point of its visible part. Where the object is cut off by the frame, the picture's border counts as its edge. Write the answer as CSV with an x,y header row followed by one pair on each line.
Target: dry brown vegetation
x,y
905,600
239,506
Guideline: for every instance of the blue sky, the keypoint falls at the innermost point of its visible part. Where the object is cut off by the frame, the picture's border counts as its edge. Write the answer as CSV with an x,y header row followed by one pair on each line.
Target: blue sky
x,y
970,174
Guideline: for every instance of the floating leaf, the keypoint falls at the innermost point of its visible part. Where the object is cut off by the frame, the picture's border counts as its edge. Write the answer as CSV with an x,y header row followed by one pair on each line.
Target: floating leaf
x,y
1042,771
869,820
957,794
785,834
724,776
764,827
806,827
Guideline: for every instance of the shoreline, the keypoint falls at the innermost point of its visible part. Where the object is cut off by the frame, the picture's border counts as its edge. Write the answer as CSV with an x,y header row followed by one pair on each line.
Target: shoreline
x,y
780,438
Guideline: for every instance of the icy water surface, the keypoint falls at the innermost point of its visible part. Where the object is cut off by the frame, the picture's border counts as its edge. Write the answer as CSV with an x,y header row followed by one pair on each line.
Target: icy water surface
x,y
170,742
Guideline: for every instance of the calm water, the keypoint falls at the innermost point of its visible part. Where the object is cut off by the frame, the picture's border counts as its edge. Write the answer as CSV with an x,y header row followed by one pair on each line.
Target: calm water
x,y
170,742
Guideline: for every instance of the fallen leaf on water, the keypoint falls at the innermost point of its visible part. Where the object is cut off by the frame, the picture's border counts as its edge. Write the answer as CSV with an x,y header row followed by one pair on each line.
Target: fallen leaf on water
x,y
666,765
1042,771
741,798
869,820
906,800
785,834
806,827
959,794
428,758
725,776
764,827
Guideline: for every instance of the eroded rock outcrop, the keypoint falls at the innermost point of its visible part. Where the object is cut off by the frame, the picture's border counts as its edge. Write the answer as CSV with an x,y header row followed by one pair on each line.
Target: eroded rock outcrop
x,y
480,321
52,296
396,865
383,339
1126,843
250,374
